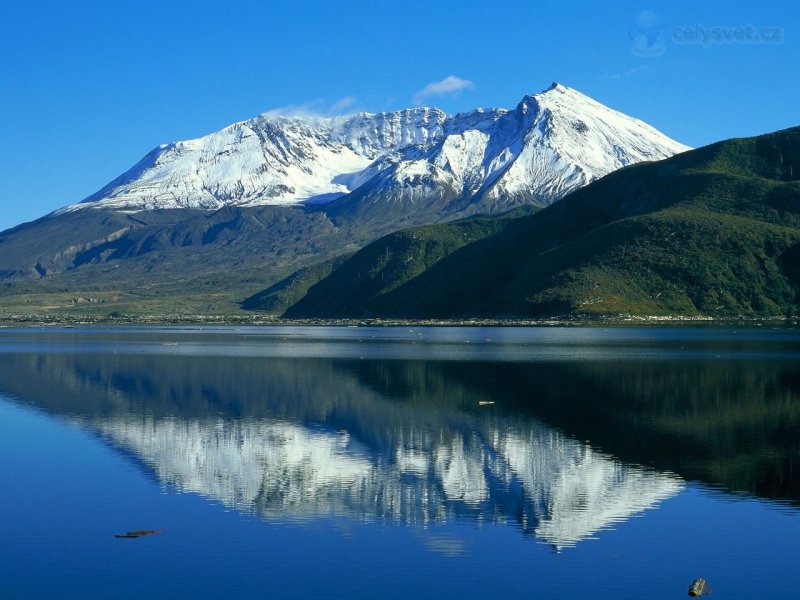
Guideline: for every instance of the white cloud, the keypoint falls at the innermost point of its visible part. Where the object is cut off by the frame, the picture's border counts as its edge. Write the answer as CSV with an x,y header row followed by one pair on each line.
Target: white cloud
x,y
449,85
315,108
342,104
640,70
318,108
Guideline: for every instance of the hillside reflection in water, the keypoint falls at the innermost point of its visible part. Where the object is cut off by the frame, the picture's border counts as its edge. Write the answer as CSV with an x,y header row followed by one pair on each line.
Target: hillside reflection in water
x,y
425,441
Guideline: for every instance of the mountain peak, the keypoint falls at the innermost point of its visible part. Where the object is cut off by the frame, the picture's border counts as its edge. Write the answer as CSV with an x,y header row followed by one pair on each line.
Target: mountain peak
x,y
554,96
558,92
555,141
557,87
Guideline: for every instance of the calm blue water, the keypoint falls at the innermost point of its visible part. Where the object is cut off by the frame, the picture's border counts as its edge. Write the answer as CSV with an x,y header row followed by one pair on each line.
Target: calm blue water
x,y
397,462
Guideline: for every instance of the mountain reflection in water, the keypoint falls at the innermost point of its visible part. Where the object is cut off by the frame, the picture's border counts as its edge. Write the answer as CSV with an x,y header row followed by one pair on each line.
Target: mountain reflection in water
x,y
406,441
555,487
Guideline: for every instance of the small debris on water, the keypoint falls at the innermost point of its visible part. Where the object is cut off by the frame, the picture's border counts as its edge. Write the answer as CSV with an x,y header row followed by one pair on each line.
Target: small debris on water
x,y
699,587
485,402
138,533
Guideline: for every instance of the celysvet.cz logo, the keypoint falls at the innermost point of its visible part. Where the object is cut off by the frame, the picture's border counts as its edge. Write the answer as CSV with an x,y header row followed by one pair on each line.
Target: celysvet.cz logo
x,y
745,34
649,35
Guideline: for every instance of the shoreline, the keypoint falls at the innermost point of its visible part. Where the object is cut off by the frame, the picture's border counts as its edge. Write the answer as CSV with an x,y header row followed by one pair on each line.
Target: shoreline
x,y
26,320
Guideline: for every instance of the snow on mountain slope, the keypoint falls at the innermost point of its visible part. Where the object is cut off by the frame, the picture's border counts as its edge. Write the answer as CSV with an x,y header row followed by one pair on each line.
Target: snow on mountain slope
x,y
267,160
571,141
550,144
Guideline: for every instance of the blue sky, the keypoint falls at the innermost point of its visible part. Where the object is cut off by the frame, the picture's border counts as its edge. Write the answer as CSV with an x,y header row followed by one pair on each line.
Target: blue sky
x,y
88,88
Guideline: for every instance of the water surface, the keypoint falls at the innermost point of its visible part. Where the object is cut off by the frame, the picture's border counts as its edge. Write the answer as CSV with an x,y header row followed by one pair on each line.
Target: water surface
x,y
384,462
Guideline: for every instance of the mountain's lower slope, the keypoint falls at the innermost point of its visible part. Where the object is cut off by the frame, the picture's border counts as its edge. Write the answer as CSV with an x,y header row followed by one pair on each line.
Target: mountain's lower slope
x,y
166,261
715,231
277,298
378,269
174,261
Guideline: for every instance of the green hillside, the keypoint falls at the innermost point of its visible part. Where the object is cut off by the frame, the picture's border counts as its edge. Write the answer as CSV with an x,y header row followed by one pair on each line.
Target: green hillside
x,y
277,298
379,269
714,231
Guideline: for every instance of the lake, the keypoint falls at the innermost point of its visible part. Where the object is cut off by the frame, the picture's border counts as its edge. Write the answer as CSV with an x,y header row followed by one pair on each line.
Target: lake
x,y
371,462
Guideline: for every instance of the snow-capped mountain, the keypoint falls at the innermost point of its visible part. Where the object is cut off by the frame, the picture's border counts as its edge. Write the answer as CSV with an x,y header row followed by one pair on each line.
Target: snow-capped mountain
x,y
550,144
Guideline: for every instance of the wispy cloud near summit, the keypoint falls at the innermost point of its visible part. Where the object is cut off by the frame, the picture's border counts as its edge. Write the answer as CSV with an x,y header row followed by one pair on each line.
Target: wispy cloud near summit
x,y
449,85
342,105
315,108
